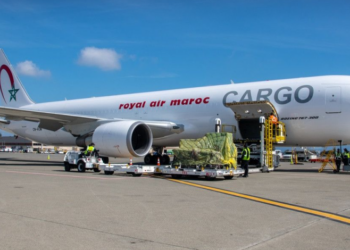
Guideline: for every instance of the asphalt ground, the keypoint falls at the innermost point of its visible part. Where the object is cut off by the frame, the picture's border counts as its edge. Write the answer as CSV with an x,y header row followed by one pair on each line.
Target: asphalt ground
x,y
44,207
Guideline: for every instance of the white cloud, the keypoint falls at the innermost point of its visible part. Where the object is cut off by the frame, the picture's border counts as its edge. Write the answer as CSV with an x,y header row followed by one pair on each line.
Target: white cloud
x,y
105,59
29,68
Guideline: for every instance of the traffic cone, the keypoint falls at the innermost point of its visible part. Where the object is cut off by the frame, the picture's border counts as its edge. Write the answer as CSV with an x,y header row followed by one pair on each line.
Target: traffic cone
x,y
130,162
158,162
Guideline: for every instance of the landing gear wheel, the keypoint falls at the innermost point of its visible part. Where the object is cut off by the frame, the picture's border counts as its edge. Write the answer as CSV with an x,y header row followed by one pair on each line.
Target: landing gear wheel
x,y
148,159
109,172
66,167
165,160
154,159
81,166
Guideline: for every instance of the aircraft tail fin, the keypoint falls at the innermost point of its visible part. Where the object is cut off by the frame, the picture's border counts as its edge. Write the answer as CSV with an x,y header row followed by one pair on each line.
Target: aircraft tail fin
x,y
12,92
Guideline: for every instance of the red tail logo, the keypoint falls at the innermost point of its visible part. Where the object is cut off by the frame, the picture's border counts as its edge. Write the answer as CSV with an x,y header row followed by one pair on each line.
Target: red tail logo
x,y
12,91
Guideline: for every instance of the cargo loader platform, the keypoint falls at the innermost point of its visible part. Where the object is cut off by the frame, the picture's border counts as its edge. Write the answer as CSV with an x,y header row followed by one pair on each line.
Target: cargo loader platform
x,y
207,173
135,170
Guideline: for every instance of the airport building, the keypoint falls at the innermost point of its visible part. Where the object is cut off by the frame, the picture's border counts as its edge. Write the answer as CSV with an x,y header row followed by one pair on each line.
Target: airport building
x,y
18,144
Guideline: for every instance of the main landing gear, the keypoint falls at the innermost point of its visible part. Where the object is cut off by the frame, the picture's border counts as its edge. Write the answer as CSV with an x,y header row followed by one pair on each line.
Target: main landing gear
x,y
152,159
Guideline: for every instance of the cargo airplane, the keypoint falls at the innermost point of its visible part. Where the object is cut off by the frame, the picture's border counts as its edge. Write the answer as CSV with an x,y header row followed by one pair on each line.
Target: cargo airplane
x,y
314,110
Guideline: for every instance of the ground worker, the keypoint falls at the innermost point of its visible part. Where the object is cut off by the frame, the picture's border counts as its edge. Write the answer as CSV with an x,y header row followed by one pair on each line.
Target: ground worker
x,y
346,157
337,157
273,118
89,149
295,156
245,159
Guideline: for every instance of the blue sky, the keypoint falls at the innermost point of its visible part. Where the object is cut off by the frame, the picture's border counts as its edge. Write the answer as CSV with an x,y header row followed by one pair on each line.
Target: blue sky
x,y
76,49
157,45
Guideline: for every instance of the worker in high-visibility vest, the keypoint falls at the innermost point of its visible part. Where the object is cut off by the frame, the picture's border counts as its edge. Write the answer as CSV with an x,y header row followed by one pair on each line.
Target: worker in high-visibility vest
x,y
89,149
245,159
337,157
273,118
346,157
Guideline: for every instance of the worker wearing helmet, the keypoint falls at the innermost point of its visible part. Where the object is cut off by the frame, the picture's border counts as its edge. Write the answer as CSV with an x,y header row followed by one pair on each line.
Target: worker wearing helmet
x,y
273,118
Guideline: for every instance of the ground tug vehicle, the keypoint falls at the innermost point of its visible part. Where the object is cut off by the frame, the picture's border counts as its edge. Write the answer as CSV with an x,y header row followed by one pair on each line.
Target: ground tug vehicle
x,y
76,159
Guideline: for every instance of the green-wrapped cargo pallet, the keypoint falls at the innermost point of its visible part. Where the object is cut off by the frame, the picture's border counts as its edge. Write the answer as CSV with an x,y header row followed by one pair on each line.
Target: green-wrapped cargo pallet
x,y
213,149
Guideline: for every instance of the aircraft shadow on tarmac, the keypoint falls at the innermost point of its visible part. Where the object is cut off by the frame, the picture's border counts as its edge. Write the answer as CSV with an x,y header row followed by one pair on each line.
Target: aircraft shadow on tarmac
x,y
190,178
89,172
145,175
17,162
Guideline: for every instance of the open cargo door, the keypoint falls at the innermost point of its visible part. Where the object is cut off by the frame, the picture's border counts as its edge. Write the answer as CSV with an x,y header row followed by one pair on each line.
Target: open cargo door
x,y
247,115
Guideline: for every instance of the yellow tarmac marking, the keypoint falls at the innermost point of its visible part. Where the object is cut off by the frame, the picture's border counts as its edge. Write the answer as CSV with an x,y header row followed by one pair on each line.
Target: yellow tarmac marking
x,y
327,215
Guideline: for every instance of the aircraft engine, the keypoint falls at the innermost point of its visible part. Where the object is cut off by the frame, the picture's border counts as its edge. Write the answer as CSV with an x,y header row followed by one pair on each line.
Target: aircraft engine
x,y
123,139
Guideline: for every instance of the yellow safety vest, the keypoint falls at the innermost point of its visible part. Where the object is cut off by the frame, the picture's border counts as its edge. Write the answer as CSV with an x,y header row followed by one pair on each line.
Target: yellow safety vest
x,y
89,149
338,156
246,153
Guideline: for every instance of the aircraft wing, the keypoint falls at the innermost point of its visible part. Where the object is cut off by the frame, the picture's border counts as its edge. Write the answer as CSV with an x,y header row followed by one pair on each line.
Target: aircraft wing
x,y
54,121
48,120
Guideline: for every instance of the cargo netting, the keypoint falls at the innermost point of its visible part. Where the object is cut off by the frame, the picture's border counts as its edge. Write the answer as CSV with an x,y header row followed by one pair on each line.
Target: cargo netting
x,y
213,149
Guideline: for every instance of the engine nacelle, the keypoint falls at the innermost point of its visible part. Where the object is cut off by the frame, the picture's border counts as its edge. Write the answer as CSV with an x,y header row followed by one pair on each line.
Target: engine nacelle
x,y
123,139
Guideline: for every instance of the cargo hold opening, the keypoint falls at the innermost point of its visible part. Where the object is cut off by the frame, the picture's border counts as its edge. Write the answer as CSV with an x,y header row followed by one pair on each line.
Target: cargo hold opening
x,y
249,128
247,115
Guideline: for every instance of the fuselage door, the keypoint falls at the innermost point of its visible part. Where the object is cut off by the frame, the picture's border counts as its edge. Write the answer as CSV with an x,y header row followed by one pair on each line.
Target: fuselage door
x,y
333,100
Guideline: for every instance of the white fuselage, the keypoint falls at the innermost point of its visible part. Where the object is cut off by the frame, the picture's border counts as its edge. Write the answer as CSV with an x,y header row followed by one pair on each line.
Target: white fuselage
x,y
314,110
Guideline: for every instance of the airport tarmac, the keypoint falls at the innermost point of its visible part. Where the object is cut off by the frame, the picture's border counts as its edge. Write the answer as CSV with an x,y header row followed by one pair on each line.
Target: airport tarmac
x,y
44,207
